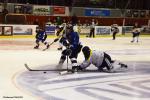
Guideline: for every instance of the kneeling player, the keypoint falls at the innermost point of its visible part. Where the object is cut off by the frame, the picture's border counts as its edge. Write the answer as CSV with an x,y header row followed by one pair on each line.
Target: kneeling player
x,y
98,58
41,36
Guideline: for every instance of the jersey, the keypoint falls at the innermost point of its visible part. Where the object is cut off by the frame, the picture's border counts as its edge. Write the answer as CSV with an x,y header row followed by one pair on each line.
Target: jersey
x,y
73,39
60,32
72,42
136,31
93,24
115,29
73,47
96,58
41,36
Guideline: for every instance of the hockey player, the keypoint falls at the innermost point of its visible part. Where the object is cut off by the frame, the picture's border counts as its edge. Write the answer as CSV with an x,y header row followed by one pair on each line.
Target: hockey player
x,y
114,30
136,33
73,47
93,24
100,59
41,36
60,36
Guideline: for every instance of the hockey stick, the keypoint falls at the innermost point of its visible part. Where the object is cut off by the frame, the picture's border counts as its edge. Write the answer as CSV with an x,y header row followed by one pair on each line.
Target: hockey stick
x,y
27,67
67,62
49,46
61,71
67,71
30,69
64,29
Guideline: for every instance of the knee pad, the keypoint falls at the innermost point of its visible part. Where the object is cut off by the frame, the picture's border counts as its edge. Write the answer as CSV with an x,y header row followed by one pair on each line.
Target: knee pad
x,y
63,57
67,52
37,41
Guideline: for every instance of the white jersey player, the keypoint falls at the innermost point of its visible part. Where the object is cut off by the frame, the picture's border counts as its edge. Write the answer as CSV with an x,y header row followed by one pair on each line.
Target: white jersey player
x,y
100,59
114,30
136,32
60,33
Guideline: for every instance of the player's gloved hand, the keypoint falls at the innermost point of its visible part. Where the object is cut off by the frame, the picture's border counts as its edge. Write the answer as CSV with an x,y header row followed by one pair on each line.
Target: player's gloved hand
x,y
71,47
68,52
76,68
55,40
111,70
75,46
66,44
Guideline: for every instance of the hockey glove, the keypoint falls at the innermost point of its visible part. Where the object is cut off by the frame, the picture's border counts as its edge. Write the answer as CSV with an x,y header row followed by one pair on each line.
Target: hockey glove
x,y
76,68
68,52
55,40
66,44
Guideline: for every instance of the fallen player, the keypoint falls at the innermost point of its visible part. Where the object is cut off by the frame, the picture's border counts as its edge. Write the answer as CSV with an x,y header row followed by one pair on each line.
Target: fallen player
x,y
100,59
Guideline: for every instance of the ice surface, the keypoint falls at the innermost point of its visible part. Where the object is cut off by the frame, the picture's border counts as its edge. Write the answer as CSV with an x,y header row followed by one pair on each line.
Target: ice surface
x,y
16,80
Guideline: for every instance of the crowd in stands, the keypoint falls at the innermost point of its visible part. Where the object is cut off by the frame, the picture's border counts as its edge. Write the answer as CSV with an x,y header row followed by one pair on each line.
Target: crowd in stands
x,y
121,4
80,20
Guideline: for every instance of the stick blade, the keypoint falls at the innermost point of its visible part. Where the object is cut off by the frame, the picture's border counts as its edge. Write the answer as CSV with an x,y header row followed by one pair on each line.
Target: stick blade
x,y
44,49
66,72
27,67
63,72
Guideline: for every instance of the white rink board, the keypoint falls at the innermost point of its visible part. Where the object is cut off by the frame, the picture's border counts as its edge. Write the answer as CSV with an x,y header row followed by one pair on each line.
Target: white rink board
x,y
22,29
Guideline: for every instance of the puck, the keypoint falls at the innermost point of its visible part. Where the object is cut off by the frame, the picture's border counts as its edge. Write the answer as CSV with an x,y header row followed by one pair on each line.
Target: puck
x,y
44,72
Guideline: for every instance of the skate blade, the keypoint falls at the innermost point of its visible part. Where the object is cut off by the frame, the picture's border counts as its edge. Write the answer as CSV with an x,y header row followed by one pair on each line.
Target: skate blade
x,y
66,72
63,72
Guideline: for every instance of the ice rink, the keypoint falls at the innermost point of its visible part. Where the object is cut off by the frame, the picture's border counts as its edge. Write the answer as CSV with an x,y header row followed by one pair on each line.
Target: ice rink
x,y
17,83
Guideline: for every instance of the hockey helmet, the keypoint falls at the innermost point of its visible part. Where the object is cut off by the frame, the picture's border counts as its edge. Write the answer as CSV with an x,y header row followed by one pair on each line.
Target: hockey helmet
x,y
57,27
86,51
69,28
38,28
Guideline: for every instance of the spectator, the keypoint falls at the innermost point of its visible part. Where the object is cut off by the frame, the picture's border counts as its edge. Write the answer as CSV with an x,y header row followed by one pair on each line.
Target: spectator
x,y
54,22
36,22
79,23
86,23
92,28
96,23
58,20
27,8
48,22
4,13
74,20
64,21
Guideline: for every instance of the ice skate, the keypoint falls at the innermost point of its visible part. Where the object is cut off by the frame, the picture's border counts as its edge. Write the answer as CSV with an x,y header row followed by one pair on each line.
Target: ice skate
x,y
59,48
47,46
36,47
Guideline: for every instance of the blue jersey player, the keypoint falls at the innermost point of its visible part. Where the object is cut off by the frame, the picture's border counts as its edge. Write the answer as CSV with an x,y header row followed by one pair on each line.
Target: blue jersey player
x,y
73,47
41,36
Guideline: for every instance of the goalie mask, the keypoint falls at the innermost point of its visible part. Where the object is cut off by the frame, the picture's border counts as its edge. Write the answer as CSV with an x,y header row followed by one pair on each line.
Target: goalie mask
x,y
86,51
